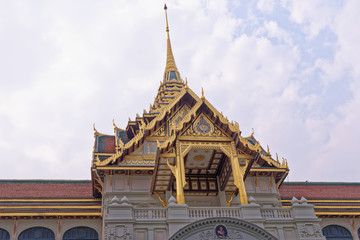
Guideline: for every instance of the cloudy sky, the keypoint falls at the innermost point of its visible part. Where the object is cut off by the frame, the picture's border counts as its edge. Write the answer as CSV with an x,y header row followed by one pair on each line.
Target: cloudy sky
x,y
288,69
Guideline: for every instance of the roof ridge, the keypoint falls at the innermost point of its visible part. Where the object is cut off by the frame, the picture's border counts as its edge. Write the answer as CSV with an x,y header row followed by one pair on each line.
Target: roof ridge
x,y
42,181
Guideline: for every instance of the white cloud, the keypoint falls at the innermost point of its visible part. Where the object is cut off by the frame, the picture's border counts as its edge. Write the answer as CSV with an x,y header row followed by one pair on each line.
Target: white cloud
x,y
313,15
272,30
340,150
265,5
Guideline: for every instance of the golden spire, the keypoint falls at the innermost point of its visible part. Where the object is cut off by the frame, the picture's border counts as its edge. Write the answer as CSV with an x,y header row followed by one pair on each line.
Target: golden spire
x,y
170,61
172,82
202,93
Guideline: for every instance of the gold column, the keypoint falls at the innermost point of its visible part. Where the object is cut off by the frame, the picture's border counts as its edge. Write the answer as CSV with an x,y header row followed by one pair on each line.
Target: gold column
x,y
180,178
180,199
238,175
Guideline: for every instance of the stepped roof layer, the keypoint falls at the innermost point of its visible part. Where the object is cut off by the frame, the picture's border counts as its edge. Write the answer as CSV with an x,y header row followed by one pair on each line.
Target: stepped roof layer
x,y
40,199
45,189
331,199
320,190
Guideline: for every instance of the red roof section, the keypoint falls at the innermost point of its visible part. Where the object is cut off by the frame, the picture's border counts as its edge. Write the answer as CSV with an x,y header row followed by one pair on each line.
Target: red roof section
x,y
313,190
110,145
45,189
83,189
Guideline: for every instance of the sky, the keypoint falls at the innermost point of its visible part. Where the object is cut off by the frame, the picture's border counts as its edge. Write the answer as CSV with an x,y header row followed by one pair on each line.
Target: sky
x,y
290,70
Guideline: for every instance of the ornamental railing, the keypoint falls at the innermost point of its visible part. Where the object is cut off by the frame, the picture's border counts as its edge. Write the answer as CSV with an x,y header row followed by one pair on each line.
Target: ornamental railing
x,y
201,212
278,214
198,213
159,213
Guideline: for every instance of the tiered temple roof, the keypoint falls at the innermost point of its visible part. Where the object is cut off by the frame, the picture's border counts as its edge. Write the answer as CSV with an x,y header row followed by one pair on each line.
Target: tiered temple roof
x,y
331,199
176,114
23,198
38,199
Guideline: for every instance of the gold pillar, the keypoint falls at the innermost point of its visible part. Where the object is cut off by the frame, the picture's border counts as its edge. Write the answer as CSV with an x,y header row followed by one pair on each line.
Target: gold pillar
x,y
238,175
180,199
180,176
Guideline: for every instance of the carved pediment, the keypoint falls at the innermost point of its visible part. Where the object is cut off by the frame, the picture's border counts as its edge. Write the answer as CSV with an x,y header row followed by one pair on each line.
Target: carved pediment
x,y
179,115
203,126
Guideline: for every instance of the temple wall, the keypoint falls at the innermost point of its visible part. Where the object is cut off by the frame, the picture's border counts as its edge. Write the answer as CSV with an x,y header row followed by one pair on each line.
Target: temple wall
x,y
128,183
263,190
59,227
123,215
351,224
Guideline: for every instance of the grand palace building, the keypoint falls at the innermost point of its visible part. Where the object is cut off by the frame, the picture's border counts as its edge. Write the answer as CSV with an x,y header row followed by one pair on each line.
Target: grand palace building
x,y
182,170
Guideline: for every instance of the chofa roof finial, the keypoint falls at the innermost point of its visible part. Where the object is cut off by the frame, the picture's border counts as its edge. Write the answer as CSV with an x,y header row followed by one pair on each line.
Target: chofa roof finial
x,y
202,93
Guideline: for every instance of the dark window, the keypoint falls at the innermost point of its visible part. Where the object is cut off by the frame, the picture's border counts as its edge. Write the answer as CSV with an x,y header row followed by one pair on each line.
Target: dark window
x,y
4,235
335,232
172,76
81,233
37,233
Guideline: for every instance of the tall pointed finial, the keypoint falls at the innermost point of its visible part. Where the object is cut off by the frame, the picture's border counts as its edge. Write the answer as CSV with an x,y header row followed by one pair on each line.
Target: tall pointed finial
x,y
167,24
171,71
171,81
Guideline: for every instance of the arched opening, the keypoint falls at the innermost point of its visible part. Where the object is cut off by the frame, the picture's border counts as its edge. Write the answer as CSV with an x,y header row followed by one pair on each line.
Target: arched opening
x,y
222,228
4,235
37,233
78,233
335,232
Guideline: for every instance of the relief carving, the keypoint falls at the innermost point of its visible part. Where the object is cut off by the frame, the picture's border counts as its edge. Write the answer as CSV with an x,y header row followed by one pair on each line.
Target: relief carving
x,y
120,232
310,231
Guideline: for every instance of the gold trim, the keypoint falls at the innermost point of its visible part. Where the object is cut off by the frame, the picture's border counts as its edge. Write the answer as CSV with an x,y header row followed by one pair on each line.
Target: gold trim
x,y
205,138
337,207
50,200
49,214
163,202
269,170
245,156
46,207
228,202
123,168
139,157
98,179
338,213
325,200
104,154
155,138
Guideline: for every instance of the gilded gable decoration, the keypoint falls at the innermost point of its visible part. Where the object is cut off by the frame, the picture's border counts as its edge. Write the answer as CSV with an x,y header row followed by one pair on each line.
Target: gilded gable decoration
x,y
160,132
137,162
179,116
202,126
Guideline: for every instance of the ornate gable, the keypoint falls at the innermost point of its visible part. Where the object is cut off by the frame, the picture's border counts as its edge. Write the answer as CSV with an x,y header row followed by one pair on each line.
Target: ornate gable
x,y
203,126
